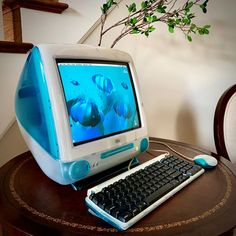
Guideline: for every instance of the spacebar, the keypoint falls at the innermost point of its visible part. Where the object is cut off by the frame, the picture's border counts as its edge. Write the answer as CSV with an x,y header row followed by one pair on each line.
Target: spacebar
x,y
159,193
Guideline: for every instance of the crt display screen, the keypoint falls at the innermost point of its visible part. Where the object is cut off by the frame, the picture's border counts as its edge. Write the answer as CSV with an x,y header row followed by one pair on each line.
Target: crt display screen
x,y
100,98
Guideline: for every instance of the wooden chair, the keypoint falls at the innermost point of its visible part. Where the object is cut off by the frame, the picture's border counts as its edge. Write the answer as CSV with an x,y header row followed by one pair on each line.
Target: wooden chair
x,y
225,125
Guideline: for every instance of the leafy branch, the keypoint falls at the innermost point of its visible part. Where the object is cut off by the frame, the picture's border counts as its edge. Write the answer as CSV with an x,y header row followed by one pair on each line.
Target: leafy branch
x,y
141,20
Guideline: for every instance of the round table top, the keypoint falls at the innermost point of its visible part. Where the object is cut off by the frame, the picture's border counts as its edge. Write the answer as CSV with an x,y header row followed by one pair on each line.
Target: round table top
x,y
31,203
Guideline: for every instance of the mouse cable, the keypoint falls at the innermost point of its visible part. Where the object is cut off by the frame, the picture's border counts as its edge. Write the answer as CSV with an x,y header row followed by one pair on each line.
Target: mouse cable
x,y
172,149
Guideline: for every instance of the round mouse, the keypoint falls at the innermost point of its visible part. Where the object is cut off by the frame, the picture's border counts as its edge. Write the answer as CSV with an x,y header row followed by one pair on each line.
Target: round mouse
x,y
205,161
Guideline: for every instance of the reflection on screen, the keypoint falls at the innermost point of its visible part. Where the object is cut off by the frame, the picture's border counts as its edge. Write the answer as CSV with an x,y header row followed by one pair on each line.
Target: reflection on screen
x,y
100,99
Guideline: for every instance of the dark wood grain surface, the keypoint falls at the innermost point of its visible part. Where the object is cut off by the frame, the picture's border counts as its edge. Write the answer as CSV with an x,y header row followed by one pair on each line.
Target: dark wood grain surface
x,y
13,47
32,204
219,121
40,5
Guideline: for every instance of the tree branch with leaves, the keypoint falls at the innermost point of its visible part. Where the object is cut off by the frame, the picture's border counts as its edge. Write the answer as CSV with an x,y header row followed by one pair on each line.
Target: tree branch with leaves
x,y
142,19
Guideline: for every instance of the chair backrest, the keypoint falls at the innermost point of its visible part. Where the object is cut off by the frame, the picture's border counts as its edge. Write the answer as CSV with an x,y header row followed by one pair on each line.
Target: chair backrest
x,y
225,124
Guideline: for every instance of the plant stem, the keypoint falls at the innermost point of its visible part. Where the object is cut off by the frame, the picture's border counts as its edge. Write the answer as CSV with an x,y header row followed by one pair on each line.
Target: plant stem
x,y
124,20
128,31
119,38
142,23
103,19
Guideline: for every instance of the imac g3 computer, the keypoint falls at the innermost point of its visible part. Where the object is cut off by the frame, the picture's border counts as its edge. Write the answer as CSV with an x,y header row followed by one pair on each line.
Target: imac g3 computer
x,y
79,110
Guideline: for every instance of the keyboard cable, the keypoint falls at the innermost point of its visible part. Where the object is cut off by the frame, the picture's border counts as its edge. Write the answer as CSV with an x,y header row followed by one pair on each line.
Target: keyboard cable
x,y
172,149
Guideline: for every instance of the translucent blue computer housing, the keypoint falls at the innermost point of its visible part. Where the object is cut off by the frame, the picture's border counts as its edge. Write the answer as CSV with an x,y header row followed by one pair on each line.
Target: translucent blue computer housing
x,y
52,121
33,106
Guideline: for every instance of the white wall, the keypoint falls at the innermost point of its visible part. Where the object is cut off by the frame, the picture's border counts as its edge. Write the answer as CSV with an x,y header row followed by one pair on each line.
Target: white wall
x,y
68,27
181,81
12,144
10,69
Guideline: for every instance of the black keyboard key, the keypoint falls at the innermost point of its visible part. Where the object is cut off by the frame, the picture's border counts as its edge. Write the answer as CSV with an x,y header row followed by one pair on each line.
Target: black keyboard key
x,y
157,185
175,174
182,178
128,197
189,166
96,198
178,167
170,171
142,205
165,167
193,170
165,181
109,208
134,210
165,174
175,183
125,216
161,183
102,204
120,202
169,178
171,164
159,193
161,176
115,212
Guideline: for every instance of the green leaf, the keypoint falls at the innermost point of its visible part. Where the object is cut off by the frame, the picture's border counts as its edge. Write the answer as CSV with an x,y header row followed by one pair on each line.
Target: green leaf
x,y
110,3
131,7
161,9
104,8
144,4
133,21
151,29
171,28
171,21
150,18
188,6
189,38
203,8
190,16
176,13
201,31
186,21
177,21
206,31
206,26
135,30
193,27
146,33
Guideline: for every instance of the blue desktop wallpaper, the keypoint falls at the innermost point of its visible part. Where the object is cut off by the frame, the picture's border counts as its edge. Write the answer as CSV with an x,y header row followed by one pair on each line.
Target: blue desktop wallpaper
x,y
100,99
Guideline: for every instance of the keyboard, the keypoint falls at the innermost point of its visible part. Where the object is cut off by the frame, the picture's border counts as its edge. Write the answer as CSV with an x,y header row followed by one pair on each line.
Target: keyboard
x,y
128,197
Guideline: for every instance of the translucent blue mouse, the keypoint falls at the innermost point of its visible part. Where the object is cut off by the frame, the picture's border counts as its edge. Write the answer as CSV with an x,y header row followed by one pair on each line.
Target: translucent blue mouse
x,y
205,161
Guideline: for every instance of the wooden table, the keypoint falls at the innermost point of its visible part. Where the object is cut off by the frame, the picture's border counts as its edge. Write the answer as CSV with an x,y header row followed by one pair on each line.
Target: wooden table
x,y
32,204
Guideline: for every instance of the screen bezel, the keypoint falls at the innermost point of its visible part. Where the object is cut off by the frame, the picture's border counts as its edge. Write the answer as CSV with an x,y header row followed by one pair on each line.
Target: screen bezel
x,y
100,62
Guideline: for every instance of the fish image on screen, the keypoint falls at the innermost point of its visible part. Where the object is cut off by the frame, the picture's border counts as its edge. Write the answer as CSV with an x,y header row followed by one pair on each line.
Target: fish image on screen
x,y
99,97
